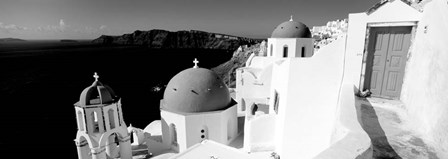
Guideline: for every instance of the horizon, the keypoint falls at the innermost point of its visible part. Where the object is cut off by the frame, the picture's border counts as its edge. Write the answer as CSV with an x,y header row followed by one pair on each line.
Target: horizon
x,y
87,20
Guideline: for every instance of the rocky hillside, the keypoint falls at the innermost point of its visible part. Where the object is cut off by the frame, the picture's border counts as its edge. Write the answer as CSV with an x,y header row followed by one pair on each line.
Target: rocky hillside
x,y
227,70
181,39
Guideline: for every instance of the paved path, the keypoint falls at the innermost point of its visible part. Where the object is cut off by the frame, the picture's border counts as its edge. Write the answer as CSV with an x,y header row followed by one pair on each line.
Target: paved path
x,y
385,122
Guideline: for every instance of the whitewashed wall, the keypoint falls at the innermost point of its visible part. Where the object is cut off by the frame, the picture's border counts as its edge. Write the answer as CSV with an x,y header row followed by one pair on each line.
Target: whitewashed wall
x,y
425,87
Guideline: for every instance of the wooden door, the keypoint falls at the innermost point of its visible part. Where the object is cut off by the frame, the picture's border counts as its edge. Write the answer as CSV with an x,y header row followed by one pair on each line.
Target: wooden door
x,y
387,56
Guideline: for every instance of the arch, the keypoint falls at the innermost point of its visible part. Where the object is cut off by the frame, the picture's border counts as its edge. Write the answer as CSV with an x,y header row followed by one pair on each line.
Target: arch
x,y
112,145
285,50
83,148
84,145
254,108
111,114
95,125
173,133
84,135
243,105
121,136
80,121
272,49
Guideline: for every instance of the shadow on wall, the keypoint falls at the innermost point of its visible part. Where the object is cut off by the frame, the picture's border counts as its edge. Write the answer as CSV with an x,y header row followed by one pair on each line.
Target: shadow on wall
x,y
380,146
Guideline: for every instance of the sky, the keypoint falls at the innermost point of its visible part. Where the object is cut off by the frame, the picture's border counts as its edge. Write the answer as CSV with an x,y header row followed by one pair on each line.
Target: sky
x,y
88,19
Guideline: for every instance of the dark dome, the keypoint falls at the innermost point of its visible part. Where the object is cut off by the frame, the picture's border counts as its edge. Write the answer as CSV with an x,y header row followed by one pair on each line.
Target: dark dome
x,y
291,29
97,93
196,90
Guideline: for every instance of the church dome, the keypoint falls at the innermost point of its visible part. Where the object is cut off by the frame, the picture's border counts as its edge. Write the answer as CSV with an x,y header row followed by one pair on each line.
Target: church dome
x,y
97,93
291,29
196,90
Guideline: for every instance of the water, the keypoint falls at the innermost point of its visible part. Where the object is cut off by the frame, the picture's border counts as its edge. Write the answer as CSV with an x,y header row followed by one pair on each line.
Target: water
x,y
40,82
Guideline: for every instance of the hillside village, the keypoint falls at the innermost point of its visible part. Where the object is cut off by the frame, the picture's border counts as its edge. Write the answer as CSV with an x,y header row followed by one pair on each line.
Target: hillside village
x,y
285,99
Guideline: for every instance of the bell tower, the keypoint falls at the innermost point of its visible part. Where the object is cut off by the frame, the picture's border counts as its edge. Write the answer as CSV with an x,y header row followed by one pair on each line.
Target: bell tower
x,y
102,132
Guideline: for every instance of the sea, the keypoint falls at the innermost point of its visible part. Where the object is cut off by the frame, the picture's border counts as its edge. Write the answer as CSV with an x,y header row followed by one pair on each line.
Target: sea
x,y
41,80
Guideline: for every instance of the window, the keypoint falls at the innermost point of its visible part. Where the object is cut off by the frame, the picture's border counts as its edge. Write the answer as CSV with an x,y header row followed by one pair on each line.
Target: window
x,y
80,121
243,105
111,115
285,51
173,135
229,130
276,102
272,48
303,51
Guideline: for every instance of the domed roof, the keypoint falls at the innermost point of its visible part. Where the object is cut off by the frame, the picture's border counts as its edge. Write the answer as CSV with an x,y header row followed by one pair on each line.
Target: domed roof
x,y
291,29
97,93
196,90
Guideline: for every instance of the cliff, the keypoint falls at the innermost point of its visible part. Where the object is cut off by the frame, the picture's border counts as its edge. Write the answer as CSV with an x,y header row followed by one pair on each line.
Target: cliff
x,y
227,70
181,39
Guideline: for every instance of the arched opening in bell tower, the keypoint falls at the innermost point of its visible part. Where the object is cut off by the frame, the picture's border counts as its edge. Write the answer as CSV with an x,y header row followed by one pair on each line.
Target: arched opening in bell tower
x,y
80,121
94,117
111,115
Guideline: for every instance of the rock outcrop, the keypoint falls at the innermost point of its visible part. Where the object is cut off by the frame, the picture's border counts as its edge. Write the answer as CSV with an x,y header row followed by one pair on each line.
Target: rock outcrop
x,y
227,70
181,39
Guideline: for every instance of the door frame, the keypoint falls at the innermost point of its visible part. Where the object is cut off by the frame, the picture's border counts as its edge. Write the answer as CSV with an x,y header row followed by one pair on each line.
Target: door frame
x,y
370,26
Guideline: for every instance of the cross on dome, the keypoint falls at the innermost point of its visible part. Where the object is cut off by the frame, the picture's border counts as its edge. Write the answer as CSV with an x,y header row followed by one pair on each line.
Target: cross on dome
x,y
290,18
96,76
195,63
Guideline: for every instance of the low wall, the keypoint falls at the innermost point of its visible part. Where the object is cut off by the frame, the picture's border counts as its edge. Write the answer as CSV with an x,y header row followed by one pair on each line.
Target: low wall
x,y
260,132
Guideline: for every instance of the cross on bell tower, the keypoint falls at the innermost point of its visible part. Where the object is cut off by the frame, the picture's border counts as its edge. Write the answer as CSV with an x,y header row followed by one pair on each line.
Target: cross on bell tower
x,y
96,76
290,18
195,63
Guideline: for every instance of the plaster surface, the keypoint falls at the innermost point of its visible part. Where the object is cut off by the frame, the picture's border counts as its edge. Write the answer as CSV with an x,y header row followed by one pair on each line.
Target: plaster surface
x,y
426,77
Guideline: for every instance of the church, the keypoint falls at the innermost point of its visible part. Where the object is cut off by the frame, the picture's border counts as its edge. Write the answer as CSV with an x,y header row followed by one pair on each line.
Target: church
x,y
197,108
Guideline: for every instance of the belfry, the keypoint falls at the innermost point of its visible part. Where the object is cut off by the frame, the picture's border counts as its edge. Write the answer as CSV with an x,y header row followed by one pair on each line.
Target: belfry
x,y
102,132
